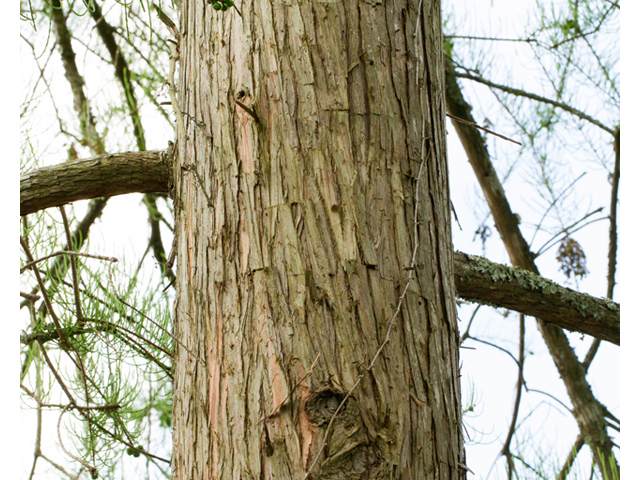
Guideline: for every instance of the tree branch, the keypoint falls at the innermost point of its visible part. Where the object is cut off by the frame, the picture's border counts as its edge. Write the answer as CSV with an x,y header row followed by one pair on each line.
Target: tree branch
x,y
80,102
122,71
102,176
537,98
481,281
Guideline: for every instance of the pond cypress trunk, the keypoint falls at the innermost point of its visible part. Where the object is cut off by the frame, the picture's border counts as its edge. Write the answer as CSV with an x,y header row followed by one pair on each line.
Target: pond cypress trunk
x,y
314,244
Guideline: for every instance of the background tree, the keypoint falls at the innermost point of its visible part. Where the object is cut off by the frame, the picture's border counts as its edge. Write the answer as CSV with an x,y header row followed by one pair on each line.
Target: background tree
x,y
119,326
584,31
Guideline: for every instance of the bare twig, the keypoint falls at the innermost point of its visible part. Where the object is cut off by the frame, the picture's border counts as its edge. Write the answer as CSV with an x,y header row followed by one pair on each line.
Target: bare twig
x,y
250,111
173,58
498,347
466,334
26,266
591,353
555,201
492,39
193,169
537,98
30,296
534,390
568,231
122,71
164,18
74,266
483,129
613,217
506,451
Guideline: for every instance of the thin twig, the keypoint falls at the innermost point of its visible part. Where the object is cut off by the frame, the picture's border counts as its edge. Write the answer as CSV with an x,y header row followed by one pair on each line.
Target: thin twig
x,y
191,168
173,58
613,218
250,111
164,18
555,200
567,231
550,396
74,266
41,403
492,39
66,252
537,98
495,346
591,353
482,128
506,449
60,468
466,334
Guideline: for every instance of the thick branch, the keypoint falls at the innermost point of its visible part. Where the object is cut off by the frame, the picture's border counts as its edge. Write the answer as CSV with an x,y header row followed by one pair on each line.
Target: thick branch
x,y
482,281
102,176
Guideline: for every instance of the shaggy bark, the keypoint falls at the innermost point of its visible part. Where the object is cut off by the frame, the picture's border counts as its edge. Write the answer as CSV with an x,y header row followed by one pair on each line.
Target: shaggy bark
x,y
295,242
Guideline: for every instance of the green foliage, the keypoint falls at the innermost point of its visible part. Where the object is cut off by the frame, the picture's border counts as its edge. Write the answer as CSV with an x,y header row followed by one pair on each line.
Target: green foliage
x,y
109,347
221,5
120,341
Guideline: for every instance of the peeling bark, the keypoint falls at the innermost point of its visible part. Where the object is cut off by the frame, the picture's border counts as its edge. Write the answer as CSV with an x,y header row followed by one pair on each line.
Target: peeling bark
x,y
295,241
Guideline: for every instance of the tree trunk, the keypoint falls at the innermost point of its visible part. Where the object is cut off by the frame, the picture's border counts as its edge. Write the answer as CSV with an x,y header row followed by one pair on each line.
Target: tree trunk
x,y
313,225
